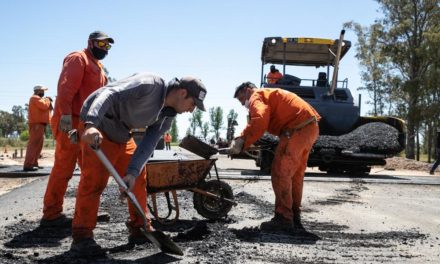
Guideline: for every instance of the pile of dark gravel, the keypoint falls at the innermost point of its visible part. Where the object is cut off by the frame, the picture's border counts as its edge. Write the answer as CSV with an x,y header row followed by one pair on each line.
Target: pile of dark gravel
x,y
374,137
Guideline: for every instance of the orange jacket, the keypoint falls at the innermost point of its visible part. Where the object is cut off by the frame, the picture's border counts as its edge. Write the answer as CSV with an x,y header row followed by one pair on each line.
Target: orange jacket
x,y
272,110
274,77
167,138
81,75
39,110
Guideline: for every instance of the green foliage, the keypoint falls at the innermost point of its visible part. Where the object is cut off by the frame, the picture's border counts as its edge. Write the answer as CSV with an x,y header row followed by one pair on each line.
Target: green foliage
x,y
174,131
24,135
216,118
399,54
12,122
205,130
195,121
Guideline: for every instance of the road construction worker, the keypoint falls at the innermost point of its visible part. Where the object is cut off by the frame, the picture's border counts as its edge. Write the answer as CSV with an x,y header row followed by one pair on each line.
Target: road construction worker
x,y
39,114
167,138
108,115
286,115
82,74
274,75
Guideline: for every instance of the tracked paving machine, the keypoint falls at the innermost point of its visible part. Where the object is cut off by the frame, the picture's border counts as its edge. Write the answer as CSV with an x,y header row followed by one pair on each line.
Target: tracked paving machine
x,y
348,142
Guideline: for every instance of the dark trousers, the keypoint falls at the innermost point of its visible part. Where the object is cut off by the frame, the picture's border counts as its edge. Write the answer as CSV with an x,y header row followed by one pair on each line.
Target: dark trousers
x,y
437,162
168,145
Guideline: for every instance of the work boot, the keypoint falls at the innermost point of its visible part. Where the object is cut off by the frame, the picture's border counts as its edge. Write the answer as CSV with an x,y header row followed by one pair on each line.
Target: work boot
x,y
277,223
30,168
86,247
61,221
136,236
297,225
431,172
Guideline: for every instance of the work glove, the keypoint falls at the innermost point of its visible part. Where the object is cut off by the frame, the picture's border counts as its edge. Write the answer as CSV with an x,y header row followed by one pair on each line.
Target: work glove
x,y
236,146
65,123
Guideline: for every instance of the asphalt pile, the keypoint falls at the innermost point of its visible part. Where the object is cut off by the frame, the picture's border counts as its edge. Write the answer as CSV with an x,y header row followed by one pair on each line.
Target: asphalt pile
x,y
374,137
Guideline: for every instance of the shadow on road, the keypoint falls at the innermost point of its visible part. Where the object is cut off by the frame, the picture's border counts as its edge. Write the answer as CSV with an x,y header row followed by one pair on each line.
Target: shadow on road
x,y
39,237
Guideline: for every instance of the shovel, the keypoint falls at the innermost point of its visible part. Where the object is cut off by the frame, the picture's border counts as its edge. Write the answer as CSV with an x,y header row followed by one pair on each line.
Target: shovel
x,y
158,238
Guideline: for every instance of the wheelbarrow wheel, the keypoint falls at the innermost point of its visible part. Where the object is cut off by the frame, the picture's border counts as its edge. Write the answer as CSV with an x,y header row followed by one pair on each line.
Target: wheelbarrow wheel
x,y
213,208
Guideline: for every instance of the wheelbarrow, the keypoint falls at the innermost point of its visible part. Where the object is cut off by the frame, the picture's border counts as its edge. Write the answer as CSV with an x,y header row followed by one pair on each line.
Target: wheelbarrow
x,y
212,199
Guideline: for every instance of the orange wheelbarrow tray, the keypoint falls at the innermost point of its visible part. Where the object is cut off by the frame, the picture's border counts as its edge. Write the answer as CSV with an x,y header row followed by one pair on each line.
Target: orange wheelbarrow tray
x,y
212,199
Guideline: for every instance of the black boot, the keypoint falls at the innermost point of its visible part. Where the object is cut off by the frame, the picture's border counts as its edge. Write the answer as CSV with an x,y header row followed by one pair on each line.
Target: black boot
x,y
277,223
297,221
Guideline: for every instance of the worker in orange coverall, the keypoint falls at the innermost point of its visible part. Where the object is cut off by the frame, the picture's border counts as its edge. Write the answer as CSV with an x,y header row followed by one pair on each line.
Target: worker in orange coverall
x,y
82,74
108,116
167,138
40,108
274,75
286,115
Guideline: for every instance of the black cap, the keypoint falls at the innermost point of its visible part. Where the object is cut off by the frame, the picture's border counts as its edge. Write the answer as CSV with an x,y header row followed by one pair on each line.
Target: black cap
x,y
242,86
272,67
101,36
195,89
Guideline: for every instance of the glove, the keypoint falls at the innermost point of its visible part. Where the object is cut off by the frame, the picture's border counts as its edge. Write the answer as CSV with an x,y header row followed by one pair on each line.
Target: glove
x,y
65,123
236,146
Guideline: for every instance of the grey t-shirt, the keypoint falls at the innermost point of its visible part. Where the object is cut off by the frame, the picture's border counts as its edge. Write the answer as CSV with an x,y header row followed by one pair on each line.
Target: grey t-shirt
x,y
133,102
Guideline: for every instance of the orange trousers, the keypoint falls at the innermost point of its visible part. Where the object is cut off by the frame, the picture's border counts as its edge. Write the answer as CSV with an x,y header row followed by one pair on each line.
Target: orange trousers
x,y
288,168
94,178
66,156
35,144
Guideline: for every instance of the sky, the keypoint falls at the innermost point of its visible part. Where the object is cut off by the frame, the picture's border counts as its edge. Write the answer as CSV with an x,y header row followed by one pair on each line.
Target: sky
x,y
217,41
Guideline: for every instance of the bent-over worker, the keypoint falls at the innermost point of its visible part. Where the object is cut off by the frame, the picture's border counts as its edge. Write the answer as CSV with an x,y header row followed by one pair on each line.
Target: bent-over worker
x,y
108,115
286,115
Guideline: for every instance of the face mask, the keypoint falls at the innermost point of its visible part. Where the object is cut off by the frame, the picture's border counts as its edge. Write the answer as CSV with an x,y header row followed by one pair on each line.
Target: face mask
x,y
273,71
41,94
246,103
98,53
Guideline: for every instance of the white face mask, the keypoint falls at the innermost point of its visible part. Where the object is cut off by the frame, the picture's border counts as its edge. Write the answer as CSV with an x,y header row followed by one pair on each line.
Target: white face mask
x,y
246,103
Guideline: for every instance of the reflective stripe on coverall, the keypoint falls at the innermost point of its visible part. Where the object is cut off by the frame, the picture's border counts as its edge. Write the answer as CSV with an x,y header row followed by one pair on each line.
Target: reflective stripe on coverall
x,y
81,75
94,178
275,110
38,118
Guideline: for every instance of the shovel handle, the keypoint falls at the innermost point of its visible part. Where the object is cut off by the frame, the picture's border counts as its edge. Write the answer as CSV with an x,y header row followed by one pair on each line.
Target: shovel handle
x,y
121,183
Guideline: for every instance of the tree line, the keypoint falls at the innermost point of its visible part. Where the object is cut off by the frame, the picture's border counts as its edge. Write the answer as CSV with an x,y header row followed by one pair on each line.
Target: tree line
x,y
204,130
400,59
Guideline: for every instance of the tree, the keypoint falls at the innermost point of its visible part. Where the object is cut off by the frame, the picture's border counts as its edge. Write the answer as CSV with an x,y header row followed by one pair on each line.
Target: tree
x,y
407,25
174,131
374,64
205,130
232,122
216,117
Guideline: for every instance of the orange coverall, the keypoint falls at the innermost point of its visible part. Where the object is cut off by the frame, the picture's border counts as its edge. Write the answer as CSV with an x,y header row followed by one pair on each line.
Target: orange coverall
x,y
38,118
167,138
81,75
272,78
94,178
275,111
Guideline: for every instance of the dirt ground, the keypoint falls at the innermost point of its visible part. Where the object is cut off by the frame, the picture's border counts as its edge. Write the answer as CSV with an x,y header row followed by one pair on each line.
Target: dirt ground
x,y
346,222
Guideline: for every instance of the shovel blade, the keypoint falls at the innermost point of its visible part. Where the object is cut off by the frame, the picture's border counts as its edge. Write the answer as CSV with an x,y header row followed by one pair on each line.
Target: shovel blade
x,y
163,242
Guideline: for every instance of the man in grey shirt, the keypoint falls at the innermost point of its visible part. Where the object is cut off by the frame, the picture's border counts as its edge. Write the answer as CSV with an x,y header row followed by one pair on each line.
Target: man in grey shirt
x,y
108,115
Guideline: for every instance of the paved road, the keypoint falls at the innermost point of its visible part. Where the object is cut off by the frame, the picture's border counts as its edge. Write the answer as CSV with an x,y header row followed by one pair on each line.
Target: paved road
x,y
386,217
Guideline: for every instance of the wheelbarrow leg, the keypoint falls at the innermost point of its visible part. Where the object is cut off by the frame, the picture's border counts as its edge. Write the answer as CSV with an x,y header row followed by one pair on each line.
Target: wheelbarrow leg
x,y
164,220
